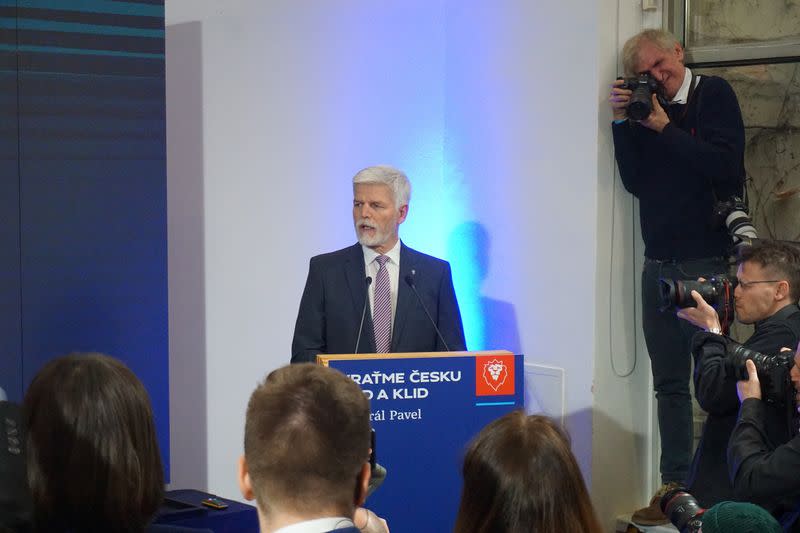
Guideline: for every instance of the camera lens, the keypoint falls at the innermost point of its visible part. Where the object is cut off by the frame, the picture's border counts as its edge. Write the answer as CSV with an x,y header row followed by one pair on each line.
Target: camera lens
x,y
683,510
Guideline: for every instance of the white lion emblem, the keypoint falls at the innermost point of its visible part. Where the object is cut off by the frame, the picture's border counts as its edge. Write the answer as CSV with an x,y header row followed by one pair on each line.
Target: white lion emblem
x,y
495,373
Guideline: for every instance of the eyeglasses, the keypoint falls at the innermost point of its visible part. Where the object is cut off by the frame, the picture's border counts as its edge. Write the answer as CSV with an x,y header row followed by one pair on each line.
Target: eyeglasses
x,y
747,284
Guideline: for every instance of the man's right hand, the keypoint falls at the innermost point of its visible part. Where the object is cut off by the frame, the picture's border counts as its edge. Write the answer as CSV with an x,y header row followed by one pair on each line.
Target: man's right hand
x,y
703,316
750,387
619,99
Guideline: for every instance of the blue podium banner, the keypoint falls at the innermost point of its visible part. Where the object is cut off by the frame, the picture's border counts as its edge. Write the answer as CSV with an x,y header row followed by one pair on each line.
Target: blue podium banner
x,y
425,408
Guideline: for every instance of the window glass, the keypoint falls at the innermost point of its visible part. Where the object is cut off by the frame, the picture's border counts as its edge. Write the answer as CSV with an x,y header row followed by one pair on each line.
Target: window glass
x,y
717,23
769,96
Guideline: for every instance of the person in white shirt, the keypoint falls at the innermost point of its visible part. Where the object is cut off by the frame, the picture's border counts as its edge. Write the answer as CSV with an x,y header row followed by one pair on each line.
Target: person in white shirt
x,y
306,453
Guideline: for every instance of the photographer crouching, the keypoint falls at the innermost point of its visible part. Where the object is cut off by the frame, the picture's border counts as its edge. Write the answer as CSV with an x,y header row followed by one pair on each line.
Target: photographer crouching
x,y
766,295
761,471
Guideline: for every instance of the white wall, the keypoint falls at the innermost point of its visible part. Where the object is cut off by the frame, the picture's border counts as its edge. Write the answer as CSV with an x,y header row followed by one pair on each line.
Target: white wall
x,y
625,442
523,128
623,409
294,101
496,110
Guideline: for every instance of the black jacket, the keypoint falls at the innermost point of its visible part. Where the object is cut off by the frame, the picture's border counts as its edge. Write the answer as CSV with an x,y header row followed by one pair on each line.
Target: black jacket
x,y
715,389
679,173
762,472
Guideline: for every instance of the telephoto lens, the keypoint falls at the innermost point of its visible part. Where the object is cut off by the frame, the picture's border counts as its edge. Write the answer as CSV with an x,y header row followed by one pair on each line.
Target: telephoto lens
x,y
677,293
682,510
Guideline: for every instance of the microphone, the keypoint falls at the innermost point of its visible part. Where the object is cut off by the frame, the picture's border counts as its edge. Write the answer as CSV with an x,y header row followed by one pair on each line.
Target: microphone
x,y
368,281
410,280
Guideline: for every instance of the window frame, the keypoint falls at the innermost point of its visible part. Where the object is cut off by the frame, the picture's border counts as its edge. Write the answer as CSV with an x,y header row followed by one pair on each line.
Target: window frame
x,y
768,52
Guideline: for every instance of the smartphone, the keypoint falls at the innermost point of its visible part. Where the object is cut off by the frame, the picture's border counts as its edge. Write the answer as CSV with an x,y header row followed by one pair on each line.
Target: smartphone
x,y
214,503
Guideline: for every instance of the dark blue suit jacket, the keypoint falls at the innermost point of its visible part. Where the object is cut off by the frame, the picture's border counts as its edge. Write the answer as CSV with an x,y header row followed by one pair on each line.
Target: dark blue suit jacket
x,y
330,310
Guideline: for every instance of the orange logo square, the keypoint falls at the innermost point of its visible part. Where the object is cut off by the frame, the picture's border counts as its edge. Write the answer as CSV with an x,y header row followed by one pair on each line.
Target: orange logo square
x,y
494,375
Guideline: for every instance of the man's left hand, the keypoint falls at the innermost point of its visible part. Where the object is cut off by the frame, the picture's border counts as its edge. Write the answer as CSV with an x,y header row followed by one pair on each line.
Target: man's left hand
x,y
703,316
752,387
658,118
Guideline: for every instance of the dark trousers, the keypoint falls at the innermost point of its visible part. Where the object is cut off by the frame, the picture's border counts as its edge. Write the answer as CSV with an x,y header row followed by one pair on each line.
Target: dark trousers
x,y
668,343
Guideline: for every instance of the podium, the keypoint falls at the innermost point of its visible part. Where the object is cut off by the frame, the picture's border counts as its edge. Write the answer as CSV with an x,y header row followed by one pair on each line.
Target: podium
x,y
425,408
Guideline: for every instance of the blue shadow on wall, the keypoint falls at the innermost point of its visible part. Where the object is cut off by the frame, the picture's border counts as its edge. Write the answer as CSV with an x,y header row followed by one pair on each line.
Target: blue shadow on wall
x,y
489,323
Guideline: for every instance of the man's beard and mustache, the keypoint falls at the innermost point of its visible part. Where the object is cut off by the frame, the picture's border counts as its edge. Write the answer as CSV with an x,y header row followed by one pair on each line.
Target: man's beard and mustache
x,y
378,238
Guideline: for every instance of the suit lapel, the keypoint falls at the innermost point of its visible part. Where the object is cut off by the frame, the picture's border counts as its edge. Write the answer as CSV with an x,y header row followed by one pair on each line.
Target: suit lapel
x,y
405,296
356,274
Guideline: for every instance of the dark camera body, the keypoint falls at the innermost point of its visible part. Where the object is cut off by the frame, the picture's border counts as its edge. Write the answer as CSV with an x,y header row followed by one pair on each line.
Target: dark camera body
x,y
683,510
717,291
773,371
15,502
641,102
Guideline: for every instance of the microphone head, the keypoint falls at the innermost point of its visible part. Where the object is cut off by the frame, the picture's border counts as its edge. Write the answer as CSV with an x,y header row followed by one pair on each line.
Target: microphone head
x,y
368,280
411,277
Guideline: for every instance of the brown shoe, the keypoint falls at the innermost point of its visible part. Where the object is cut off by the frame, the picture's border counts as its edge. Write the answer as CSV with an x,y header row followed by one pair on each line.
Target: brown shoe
x,y
652,515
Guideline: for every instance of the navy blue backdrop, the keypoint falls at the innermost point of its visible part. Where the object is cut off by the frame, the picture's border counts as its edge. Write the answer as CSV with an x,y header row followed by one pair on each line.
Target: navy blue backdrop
x,y
83,189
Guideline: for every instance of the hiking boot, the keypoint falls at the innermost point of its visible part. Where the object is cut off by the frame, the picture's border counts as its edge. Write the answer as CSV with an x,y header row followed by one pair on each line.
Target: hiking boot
x,y
652,515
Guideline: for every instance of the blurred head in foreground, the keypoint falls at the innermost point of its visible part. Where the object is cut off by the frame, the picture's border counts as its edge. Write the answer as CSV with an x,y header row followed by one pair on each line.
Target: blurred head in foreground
x,y
520,475
306,446
93,460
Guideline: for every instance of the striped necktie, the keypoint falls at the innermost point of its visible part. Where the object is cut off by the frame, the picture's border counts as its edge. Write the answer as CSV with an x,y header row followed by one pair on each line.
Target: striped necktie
x,y
382,314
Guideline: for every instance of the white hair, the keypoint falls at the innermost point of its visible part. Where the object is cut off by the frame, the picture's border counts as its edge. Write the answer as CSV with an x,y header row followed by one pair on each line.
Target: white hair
x,y
394,178
663,39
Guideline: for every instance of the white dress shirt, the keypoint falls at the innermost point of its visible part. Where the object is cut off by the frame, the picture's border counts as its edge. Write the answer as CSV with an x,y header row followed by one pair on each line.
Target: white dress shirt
x,y
320,525
682,96
393,265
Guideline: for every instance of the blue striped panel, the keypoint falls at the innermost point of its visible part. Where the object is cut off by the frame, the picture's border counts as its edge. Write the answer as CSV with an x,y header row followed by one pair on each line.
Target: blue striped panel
x,y
74,27
76,51
91,6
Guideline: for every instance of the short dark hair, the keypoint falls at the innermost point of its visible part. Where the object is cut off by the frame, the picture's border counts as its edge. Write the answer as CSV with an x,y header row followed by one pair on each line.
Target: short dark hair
x,y
520,475
93,458
307,436
780,258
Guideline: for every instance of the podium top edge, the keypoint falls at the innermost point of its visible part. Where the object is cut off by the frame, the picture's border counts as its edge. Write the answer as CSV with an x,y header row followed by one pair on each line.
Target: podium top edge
x,y
325,358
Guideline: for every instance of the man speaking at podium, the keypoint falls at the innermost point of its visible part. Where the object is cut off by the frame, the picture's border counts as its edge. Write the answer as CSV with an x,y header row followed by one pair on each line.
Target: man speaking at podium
x,y
377,296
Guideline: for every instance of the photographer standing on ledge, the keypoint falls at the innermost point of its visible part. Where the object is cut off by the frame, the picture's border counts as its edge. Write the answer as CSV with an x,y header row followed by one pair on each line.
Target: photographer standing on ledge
x,y
762,472
678,162
766,295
